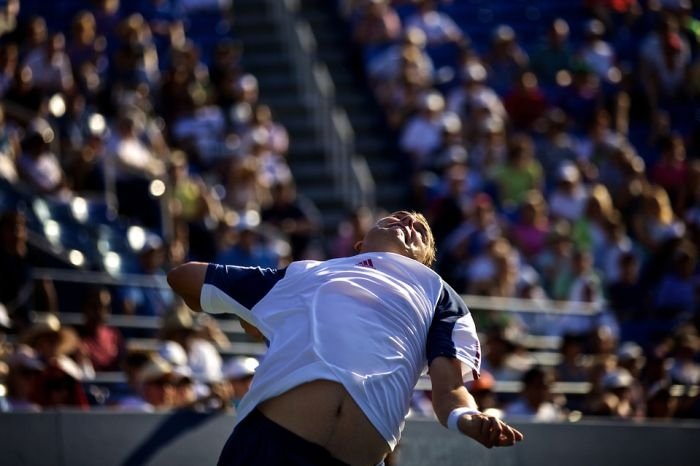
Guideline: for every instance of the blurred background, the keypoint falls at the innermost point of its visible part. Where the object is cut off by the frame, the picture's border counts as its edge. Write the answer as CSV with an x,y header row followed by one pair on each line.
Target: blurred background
x,y
554,147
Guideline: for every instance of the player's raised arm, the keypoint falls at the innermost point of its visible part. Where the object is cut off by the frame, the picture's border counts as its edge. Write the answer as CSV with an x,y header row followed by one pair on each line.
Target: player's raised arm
x,y
187,280
457,410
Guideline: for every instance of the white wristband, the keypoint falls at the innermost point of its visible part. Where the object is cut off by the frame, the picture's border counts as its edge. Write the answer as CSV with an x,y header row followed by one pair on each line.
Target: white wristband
x,y
455,414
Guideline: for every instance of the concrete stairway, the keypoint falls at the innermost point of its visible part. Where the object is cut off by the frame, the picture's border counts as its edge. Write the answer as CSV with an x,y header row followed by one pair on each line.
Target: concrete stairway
x,y
267,57
373,139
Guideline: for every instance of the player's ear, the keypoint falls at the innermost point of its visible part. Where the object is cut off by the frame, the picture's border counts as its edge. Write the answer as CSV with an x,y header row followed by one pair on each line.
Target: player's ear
x,y
358,246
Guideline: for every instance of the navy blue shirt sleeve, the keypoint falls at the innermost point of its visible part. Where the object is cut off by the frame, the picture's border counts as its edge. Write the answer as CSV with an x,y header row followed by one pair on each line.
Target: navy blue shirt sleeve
x,y
245,285
452,332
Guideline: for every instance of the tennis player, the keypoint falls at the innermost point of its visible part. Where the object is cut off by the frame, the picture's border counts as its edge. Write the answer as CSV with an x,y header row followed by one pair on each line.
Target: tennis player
x,y
348,339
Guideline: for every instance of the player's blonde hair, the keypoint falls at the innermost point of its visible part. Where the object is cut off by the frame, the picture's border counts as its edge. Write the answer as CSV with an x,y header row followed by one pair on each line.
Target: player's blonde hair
x,y
430,252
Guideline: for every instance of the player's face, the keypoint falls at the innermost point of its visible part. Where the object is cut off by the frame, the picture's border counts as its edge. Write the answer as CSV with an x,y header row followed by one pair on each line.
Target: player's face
x,y
402,233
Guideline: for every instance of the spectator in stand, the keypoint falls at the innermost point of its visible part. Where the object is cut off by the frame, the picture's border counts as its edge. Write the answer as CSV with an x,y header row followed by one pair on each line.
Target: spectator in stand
x,y
107,18
276,139
535,400
193,205
85,167
660,403
401,97
438,27
599,402
483,390
131,165
376,27
579,284
664,59
630,357
655,222
616,243
526,103
34,37
134,361
555,55
685,368
676,295
38,165
596,145
163,18
574,365
245,97
9,63
672,171
474,94
506,60
225,68
479,235
531,229
555,258
502,281
103,344
504,357
24,369
558,145
86,47
203,357
245,245
625,296
59,386
520,174
9,149
350,231
148,300
50,66
295,217
157,385
135,61
200,128
246,189
617,387
58,347
272,167
596,53
238,373
24,93
20,292
407,58
582,97
452,201
589,230
422,134
568,198
8,17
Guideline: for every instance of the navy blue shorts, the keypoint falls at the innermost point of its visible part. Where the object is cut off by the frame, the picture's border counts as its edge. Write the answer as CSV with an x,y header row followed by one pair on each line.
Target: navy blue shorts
x,y
258,441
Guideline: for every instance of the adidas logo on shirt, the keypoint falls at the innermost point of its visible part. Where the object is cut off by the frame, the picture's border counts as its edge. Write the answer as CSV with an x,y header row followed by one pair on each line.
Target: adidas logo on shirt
x,y
366,263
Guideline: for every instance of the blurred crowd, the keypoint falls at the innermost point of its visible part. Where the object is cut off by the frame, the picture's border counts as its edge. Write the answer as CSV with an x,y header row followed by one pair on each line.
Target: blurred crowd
x,y
561,170
139,115
561,166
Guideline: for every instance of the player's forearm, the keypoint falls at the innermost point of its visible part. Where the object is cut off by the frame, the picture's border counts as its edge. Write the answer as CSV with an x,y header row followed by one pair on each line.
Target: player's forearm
x,y
448,388
445,403
187,280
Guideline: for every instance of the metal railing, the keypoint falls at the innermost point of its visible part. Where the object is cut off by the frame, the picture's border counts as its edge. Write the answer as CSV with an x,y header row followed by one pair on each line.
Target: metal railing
x,y
351,176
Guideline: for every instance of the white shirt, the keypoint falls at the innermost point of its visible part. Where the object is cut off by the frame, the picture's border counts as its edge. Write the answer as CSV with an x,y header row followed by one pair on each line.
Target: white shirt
x,y
371,322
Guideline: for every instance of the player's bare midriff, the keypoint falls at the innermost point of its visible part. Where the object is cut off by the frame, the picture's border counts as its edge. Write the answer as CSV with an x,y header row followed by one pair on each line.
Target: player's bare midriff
x,y
323,413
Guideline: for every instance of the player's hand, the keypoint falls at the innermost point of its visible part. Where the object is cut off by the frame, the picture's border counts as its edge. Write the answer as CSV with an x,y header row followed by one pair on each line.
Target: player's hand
x,y
489,431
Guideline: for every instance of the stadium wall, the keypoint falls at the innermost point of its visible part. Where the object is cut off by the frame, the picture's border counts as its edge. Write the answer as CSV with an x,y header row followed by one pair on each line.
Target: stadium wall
x,y
67,438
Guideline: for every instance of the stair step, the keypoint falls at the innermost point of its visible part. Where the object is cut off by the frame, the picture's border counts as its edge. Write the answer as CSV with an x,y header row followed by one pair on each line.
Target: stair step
x,y
277,83
250,17
262,43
